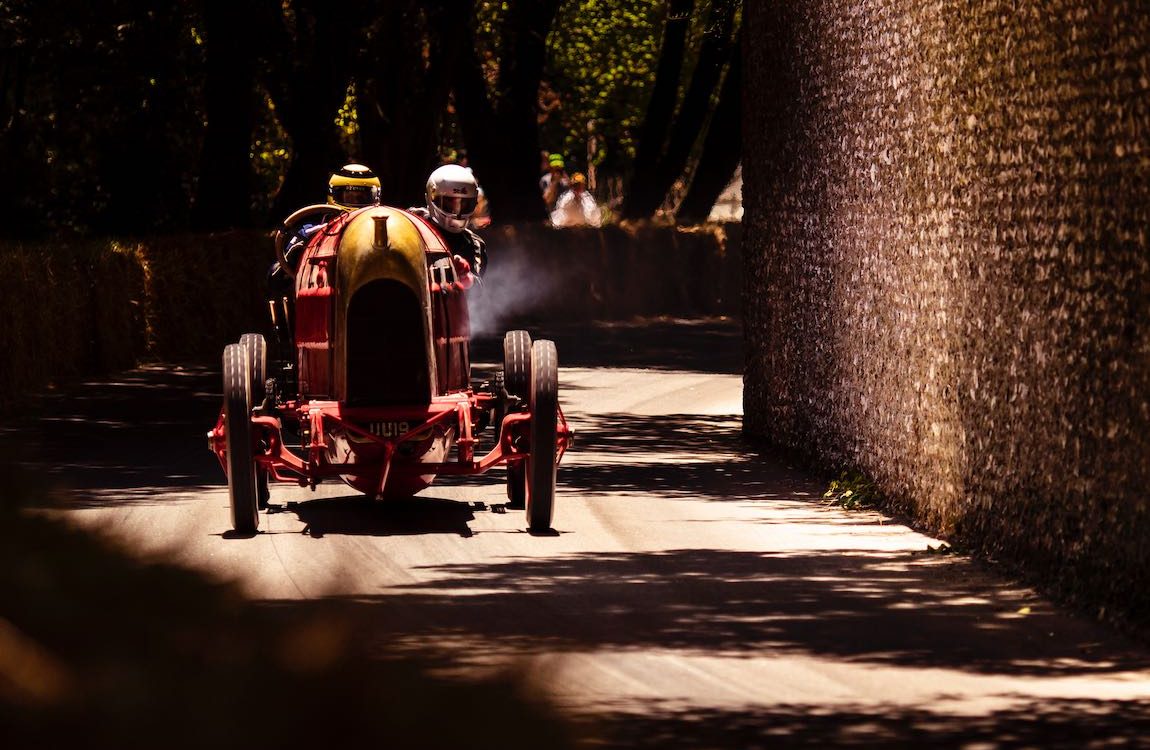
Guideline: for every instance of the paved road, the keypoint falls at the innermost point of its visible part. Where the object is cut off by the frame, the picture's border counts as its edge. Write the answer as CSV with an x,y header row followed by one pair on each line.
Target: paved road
x,y
698,593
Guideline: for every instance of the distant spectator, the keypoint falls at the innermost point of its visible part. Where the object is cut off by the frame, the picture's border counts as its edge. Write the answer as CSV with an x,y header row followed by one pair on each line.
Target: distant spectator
x,y
555,183
577,207
482,216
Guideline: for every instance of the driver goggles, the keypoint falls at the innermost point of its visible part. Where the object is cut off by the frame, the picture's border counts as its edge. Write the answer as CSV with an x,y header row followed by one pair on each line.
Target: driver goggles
x,y
355,195
456,205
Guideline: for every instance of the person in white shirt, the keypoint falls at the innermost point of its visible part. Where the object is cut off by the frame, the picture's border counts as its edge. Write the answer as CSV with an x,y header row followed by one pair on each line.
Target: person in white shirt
x,y
554,182
577,207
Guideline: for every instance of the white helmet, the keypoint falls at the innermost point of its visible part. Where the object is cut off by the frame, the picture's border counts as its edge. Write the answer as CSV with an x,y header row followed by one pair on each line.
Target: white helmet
x,y
452,194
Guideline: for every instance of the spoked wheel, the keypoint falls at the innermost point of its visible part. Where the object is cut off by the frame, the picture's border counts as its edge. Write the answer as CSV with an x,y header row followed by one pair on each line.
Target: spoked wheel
x,y
517,362
257,349
544,429
238,424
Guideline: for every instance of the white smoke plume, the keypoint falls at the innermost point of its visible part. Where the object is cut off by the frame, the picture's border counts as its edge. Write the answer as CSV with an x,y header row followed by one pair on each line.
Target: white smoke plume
x,y
513,286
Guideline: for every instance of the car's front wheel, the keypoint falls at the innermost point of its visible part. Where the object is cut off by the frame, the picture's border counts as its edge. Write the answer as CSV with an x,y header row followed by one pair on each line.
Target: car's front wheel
x,y
257,349
242,491
517,363
544,430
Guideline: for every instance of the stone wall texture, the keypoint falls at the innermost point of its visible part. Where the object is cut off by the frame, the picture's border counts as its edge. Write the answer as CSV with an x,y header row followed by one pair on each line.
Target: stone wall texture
x,y
947,267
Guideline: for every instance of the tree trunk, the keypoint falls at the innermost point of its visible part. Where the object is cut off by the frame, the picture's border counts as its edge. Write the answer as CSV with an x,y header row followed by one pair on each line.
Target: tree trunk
x,y
521,70
722,149
139,158
653,133
403,96
308,79
476,114
24,174
503,137
713,56
223,195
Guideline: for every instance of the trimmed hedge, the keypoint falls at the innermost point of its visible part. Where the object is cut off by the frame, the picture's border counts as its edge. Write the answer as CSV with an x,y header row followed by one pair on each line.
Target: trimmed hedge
x,y
538,273
948,268
68,311
86,308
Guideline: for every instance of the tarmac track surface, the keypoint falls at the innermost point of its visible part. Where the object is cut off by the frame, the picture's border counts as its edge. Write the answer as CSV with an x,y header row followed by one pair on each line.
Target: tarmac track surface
x,y
698,591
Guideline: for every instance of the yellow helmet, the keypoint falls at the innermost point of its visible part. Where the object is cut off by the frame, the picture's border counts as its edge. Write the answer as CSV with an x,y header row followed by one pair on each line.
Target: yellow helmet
x,y
353,186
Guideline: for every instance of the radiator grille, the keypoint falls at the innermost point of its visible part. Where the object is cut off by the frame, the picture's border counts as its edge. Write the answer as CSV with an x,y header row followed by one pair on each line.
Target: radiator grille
x,y
386,347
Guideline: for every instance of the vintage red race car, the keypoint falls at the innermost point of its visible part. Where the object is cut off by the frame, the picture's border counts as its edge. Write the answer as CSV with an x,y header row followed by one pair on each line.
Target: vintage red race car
x,y
378,390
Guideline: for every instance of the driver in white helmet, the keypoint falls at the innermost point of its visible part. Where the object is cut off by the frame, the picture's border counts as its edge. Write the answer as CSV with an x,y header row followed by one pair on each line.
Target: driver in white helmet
x,y
452,195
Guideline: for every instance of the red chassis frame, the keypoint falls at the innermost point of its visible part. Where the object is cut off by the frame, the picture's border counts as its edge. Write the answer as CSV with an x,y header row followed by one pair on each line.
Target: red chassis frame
x,y
285,466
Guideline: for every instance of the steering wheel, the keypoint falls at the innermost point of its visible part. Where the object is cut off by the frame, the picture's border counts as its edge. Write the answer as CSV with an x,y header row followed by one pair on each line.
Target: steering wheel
x,y
315,214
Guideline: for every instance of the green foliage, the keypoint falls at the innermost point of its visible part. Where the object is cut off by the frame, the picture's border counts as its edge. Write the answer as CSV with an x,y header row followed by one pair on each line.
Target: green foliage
x,y
853,491
489,17
71,309
105,114
602,58
100,94
347,119
271,154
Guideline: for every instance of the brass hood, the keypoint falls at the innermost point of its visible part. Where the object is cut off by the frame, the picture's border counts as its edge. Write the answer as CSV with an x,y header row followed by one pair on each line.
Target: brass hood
x,y
380,243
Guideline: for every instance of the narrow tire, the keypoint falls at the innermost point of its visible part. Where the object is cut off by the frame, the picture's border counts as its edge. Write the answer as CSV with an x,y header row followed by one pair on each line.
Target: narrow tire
x,y
257,348
544,430
517,363
238,425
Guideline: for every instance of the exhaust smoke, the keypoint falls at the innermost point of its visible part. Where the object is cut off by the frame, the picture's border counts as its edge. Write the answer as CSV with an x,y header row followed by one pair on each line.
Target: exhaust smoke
x,y
513,287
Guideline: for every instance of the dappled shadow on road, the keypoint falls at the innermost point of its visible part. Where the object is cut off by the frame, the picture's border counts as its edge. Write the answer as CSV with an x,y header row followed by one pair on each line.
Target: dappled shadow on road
x,y
1055,724
104,650
359,516
140,438
676,433
136,438
710,345
724,480
677,456
852,606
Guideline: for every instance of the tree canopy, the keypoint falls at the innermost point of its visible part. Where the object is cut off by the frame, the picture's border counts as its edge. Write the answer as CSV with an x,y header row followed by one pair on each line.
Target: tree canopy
x,y
132,116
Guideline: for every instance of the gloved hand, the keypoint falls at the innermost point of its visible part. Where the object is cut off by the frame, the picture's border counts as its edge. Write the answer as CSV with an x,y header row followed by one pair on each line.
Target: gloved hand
x,y
463,274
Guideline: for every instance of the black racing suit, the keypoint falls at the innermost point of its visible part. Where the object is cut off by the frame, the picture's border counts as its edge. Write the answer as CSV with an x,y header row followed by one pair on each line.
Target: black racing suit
x,y
466,244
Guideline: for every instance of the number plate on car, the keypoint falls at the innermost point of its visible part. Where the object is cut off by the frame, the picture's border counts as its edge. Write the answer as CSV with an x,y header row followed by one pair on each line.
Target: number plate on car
x,y
388,429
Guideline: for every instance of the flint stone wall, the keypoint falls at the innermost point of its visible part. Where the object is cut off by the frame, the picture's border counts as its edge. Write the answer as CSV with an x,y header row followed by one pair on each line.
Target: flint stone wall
x,y
948,272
